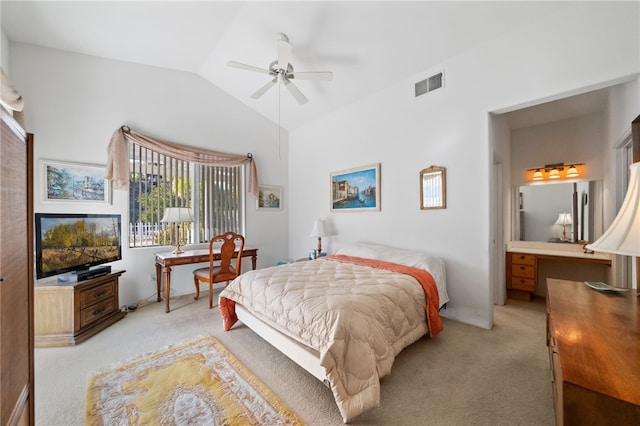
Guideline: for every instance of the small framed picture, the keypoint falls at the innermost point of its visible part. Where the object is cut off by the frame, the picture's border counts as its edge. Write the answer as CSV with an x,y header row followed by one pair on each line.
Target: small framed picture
x,y
74,182
269,197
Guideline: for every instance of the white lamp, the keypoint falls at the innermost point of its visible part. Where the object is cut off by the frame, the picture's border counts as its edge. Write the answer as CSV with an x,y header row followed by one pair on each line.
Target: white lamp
x,y
564,219
177,215
623,236
319,231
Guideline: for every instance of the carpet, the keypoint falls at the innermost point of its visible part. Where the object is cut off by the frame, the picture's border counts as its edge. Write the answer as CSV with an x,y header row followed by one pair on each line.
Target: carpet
x,y
197,382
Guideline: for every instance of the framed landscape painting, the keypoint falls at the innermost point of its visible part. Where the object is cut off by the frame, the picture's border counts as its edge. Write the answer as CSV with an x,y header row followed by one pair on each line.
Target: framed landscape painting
x,y
269,197
356,189
64,181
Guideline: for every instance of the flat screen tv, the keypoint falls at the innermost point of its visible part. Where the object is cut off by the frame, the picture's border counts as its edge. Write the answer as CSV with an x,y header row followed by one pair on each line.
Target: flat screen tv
x,y
70,242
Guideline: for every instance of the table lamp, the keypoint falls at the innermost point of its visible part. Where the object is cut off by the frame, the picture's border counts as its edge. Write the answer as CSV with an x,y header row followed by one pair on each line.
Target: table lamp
x,y
564,219
623,236
177,215
319,231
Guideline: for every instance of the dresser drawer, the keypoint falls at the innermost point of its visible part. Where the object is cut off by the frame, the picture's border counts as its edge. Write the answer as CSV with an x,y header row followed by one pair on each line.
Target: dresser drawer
x,y
96,294
523,259
95,312
526,284
523,271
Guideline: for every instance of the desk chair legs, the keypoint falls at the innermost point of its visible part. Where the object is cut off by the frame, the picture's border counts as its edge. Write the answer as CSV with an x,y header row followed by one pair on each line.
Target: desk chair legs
x,y
197,296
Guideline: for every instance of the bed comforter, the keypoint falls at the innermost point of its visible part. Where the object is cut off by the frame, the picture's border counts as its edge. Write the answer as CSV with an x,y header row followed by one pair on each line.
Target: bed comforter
x,y
357,315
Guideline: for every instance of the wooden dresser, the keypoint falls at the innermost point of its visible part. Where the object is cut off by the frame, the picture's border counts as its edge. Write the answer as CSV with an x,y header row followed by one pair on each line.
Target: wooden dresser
x,y
66,314
594,349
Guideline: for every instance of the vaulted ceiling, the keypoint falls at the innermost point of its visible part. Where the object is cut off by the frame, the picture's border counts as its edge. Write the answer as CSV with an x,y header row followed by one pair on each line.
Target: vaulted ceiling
x,y
368,45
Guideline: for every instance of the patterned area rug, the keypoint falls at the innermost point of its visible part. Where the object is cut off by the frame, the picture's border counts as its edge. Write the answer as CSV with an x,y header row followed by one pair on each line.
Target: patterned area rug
x,y
196,383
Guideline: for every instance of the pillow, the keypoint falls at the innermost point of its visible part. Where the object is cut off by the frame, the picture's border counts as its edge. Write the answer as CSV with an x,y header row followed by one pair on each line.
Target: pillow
x,y
433,265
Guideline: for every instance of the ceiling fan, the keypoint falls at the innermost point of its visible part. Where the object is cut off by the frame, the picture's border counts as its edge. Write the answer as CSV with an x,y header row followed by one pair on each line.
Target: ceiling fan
x,y
281,71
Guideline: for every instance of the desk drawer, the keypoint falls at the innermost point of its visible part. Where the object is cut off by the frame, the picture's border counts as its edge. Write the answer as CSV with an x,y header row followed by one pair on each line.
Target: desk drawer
x,y
96,294
523,271
523,259
526,284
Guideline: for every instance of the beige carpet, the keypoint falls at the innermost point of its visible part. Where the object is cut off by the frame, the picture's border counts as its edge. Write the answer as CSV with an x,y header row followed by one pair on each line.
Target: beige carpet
x,y
197,383
465,376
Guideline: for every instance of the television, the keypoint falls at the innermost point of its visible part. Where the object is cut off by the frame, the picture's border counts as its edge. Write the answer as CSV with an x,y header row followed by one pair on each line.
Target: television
x,y
71,242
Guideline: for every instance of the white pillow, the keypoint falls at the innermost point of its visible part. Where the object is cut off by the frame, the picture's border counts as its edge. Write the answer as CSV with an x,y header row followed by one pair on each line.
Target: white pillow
x,y
433,265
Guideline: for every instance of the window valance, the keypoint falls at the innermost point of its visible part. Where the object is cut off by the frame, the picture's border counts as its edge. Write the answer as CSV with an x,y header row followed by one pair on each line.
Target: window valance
x,y
118,157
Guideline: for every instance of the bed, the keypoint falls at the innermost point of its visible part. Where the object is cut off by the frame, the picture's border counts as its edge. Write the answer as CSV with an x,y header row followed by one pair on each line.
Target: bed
x,y
343,317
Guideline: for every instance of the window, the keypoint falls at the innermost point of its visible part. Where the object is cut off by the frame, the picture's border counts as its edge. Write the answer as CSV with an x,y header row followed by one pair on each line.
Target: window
x,y
158,181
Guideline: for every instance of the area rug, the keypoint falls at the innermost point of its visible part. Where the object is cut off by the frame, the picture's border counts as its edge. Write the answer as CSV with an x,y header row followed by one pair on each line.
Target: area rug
x,y
197,383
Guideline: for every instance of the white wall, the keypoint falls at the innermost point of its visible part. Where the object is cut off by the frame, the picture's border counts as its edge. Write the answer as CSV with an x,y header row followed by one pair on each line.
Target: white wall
x,y
4,49
74,103
573,49
575,140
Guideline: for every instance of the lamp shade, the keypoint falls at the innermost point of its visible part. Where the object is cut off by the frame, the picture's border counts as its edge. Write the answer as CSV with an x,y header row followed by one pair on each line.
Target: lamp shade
x,y
177,215
623,236
554,174
572,172
564,219
319,229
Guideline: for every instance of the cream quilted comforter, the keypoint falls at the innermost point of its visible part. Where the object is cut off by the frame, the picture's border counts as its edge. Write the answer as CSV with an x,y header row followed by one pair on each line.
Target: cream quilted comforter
x,y
357,317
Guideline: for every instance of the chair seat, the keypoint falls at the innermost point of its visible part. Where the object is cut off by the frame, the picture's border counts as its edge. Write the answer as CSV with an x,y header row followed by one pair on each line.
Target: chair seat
x,y
203,273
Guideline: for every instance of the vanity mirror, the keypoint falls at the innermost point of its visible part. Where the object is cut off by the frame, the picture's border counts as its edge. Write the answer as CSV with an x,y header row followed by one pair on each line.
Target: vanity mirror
x,y
558,212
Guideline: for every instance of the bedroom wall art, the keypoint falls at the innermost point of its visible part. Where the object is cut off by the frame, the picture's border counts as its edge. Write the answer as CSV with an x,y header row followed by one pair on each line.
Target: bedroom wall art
x,y
64,181
269,197
356,189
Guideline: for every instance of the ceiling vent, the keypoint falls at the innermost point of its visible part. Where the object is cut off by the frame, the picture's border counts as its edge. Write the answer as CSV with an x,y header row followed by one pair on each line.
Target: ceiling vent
x,y
429,84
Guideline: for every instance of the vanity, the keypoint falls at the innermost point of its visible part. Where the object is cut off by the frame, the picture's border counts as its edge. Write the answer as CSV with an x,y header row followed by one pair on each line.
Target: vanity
x,y
530,263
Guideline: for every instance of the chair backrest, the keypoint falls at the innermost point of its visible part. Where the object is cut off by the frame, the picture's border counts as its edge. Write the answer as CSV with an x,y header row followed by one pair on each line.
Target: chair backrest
x,y
230,246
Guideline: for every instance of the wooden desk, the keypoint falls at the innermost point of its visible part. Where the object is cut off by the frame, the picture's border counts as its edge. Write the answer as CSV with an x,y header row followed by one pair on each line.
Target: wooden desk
x,y
594,349
164,262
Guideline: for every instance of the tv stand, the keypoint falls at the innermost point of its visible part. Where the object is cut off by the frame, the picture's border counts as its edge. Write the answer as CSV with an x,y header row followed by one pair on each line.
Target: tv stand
x,y
67,313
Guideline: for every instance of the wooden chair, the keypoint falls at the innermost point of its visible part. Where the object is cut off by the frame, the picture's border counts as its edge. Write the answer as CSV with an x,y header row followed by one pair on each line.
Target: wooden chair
x,y
230,245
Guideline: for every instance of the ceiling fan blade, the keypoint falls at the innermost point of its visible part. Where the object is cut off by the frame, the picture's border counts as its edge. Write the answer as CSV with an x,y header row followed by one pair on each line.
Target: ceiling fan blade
x,y
295,92
263,89
317,75
234,64
284,53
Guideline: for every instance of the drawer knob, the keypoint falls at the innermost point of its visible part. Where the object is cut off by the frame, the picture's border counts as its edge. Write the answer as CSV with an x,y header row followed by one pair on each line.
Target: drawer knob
x,y
99,294
99,310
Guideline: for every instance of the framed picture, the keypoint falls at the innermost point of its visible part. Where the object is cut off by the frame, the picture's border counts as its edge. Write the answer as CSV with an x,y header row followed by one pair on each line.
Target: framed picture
x,y
62,181
269,197
356,189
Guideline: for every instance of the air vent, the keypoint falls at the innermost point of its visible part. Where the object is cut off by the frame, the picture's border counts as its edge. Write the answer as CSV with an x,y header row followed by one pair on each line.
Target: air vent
x,y
429,84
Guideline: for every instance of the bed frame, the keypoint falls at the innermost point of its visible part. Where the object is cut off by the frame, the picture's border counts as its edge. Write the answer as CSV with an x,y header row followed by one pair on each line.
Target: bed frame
x,y
304,356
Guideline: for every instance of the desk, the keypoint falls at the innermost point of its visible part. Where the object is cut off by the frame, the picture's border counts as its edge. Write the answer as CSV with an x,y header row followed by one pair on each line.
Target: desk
x,y
164,262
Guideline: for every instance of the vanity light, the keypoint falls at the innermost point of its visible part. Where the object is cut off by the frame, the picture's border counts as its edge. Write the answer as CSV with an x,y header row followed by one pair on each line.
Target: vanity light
x,y
552,171
537,175
572,172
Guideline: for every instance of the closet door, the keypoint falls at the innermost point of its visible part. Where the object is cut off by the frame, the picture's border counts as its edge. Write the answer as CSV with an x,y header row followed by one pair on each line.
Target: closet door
x,y
16,274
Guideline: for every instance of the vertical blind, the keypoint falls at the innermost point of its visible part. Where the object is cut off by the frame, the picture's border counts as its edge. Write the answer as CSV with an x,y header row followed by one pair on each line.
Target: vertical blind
x,y
158,181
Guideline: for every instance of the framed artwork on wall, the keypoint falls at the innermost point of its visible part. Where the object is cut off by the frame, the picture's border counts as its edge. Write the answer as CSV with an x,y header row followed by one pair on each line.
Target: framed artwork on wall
x,y
269,197
74,182
356,189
